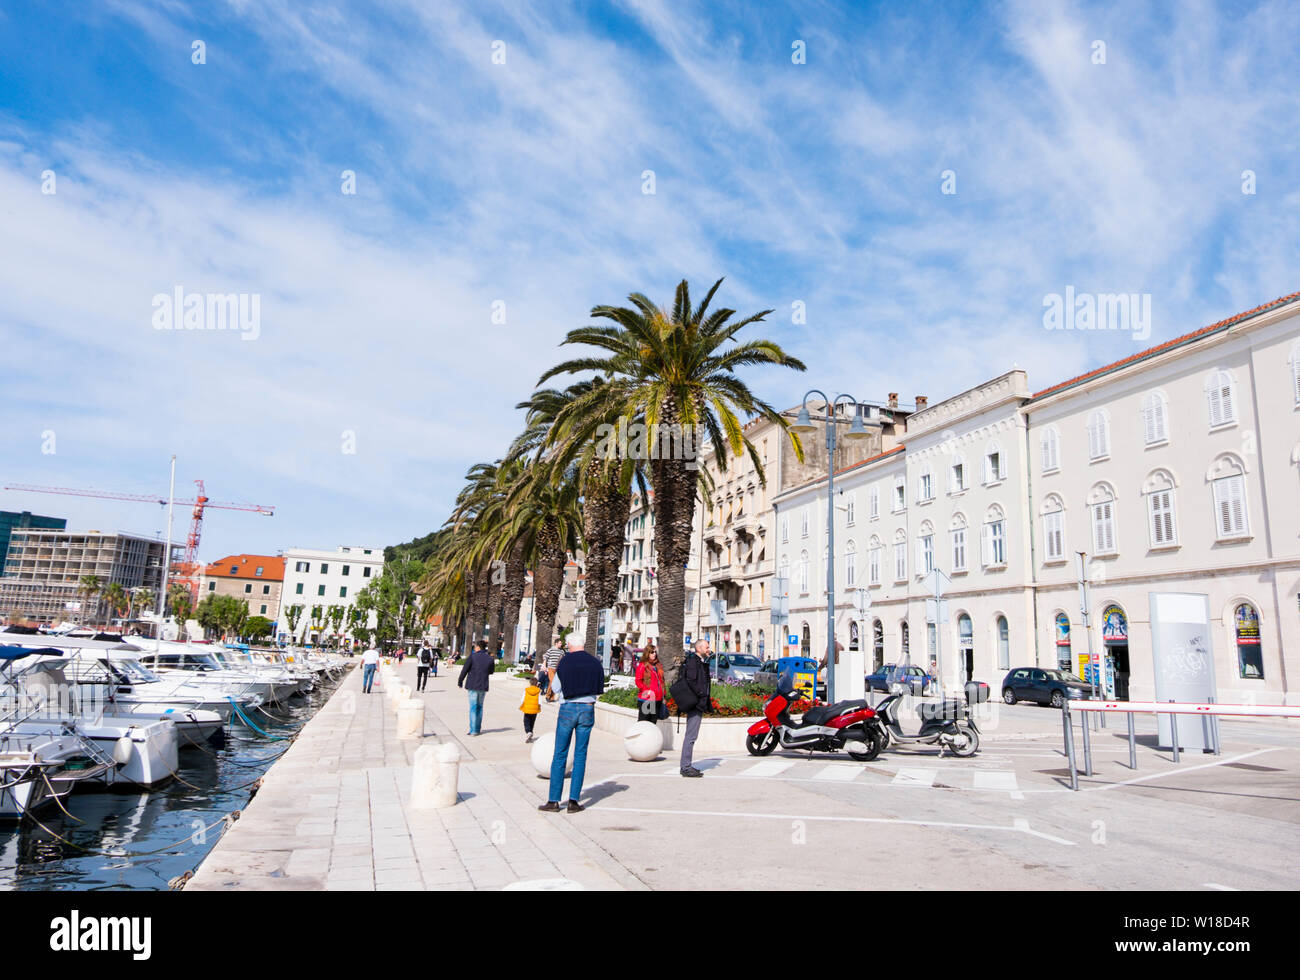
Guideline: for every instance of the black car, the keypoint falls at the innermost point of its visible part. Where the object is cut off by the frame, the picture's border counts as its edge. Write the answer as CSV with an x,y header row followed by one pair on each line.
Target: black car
x,y
1052,687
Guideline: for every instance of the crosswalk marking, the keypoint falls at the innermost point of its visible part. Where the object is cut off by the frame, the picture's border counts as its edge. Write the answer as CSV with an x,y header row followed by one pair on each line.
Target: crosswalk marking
x,y
995,779
915,777
840,773
768,767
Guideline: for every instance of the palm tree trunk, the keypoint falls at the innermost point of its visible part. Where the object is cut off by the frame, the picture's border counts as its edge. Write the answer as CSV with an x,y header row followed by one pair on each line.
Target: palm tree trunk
x,y
674,508
548,581
478,605
605,513
513,594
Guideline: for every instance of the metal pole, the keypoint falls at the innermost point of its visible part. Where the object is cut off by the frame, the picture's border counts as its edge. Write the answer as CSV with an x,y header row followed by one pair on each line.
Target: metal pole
x,y
1068,729
1087,747
1132,743
830,559
1214,730
167,560
1173,731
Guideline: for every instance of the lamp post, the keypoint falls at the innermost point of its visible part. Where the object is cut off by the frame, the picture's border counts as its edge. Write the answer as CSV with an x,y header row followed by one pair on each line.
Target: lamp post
x,y
857,430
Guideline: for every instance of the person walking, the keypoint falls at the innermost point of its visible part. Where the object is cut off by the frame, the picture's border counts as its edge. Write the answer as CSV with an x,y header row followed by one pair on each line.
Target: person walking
x,y
423,660
433,665
695,674
579,679
369,664
552,660
649,684
474,676
531,708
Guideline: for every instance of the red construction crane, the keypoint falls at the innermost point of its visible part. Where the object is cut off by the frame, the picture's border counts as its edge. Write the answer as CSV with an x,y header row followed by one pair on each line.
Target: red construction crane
x,y
189,567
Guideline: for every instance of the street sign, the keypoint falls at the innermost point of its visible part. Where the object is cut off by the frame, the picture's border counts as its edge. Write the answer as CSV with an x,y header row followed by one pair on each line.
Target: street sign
x,y
717,611
936,582
936,610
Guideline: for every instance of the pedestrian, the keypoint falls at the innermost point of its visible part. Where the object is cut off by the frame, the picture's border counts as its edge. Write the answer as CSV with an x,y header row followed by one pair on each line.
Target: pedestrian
x,y
694,686
579,679
423,661
552,660
531,708
437,655
649,684
474,676
369,664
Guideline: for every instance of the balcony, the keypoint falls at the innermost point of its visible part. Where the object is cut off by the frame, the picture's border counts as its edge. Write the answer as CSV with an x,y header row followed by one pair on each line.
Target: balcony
x,y
722,573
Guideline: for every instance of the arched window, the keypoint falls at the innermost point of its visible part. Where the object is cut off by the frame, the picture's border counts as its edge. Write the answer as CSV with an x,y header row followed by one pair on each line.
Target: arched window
x,y
803,523
850,507
850,564
1004,643
900,555
906,644
1101,504
957,474
1063,658
803,572
994,543
1228,478
853,635
1221,397
1053,512
873,503
877,645
957,536
785,575
749,641
1250,659
925,549
1161,523
1050,444
1155,424
925,484
762,645
1098,435
874,549
965,636
994,464
805,643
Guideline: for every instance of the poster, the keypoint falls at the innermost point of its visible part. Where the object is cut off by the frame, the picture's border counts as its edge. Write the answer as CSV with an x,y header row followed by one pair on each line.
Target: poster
x,y
1184,662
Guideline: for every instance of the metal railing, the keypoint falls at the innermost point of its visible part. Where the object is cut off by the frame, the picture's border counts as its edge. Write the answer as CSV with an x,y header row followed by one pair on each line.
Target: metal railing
x,y
1209,713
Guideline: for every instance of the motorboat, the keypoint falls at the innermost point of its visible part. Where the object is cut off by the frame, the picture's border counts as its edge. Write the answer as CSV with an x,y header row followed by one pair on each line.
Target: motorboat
x,y
203,665
39,768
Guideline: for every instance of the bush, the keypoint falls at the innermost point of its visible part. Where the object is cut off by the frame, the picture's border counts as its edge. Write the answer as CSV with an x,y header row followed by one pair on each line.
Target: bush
x,y
744,700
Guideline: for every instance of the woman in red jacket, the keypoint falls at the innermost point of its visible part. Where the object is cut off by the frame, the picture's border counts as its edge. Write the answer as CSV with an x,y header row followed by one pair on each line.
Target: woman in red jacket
x,y
649,684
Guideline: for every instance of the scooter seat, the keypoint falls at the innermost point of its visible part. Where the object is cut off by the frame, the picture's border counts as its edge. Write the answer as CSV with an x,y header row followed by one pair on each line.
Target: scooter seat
x,y
824,713
938,710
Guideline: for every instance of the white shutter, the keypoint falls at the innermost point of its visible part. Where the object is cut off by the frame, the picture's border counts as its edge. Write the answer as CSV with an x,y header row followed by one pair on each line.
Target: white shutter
x,y
988,468
1295,372
1047,451
1162,517
1230,504
986,545
1222,410
920,555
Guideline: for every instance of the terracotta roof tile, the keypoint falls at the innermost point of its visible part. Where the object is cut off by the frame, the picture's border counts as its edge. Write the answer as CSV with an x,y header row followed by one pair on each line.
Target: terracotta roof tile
x,y
1167,345
246,567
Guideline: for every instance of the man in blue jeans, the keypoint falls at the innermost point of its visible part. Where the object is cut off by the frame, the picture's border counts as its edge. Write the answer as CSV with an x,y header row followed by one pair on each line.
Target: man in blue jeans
x,y
369,663
579,680
474,677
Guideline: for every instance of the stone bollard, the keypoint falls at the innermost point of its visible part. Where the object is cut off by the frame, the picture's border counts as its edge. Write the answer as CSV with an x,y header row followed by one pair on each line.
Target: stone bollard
x,y
435,777
401,694
410,718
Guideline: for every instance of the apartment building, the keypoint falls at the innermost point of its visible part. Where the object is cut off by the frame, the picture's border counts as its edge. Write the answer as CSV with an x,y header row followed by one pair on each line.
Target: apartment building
x,y
321,578
11,520
257,579
44,569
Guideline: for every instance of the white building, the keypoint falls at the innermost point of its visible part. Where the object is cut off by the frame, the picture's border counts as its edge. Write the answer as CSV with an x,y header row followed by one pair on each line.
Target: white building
x,y
325,578
1174,470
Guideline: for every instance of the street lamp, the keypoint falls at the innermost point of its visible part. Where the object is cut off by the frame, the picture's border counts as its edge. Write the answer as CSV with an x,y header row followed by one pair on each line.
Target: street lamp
x,y
858,429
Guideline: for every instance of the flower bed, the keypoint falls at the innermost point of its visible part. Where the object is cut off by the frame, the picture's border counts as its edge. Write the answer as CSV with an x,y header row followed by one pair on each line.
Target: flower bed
x,y
742,699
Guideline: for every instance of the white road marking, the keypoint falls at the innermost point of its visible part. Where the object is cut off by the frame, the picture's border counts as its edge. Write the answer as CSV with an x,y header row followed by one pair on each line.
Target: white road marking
x,y
768,767
1221,888
1172,772
840,773
1020,826
915,777
995,779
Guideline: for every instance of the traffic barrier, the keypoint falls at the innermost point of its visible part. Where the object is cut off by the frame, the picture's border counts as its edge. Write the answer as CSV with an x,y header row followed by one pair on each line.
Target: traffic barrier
x,y
1209,713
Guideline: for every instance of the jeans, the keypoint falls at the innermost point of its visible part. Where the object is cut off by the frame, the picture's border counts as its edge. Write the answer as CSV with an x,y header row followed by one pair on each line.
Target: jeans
x,y
529,722
476,711
367,677
693,720
572,716
421,677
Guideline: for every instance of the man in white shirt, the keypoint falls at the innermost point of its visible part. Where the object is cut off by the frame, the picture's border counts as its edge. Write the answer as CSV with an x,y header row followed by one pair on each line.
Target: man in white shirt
x,y
369,664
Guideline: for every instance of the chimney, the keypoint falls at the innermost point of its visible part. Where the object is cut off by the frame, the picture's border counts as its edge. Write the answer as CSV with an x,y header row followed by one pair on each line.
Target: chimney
x,y
921,403
893,399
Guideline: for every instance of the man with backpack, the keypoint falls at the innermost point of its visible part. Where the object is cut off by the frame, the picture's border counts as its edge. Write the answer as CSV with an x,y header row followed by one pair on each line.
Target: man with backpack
x,y
422,664
692,692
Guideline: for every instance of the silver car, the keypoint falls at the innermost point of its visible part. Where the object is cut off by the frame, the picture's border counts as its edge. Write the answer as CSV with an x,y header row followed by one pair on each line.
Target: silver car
x,y
734,666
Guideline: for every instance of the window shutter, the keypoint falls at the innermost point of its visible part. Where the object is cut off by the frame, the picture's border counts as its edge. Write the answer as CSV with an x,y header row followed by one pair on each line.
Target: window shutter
x,y
1295,372
986,545
1149,418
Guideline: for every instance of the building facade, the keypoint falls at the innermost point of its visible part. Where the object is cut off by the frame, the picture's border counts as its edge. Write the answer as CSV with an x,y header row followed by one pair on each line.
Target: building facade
x,y
45,569
11,520
257,579
318,579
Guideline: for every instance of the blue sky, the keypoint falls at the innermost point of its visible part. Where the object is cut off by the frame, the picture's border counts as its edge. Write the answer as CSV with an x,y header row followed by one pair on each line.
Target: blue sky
x,y
479,183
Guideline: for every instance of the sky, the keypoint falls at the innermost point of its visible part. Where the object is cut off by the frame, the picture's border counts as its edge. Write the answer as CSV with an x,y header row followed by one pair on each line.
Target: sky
x,y
904,186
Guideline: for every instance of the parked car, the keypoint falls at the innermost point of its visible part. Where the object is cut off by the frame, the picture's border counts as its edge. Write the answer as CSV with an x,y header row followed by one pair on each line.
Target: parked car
x,y
734,666
802,669
1051,687
907,676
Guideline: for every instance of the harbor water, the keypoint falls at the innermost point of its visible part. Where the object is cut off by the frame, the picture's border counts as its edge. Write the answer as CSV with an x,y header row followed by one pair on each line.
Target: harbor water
x,y
142,840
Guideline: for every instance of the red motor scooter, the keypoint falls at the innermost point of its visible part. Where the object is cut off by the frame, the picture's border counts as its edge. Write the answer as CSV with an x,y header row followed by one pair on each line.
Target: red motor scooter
x,y
849,725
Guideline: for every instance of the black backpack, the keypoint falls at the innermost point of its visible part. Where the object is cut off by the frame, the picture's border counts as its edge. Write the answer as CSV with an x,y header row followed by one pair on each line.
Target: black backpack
x,y
425,656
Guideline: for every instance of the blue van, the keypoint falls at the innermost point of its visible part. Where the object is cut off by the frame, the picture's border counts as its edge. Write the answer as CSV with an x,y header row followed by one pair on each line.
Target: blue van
x,y
801,670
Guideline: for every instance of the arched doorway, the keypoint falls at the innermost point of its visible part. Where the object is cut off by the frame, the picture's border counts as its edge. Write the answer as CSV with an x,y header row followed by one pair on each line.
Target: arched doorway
x,y
965,646
853,635
1114,637
1004,643
877,645
805,642
906,646
1250,657
1063,658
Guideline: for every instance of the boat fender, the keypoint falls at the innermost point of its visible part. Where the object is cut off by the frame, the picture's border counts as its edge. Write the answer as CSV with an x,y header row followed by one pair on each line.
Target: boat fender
x,y
122,750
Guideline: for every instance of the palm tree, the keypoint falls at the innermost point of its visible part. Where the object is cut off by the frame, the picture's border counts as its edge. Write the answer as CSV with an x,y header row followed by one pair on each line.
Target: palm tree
x,y
676,372
89,587
117,598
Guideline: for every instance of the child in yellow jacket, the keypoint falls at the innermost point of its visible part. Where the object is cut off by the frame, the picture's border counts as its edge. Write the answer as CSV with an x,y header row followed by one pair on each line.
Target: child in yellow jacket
x,y
531,708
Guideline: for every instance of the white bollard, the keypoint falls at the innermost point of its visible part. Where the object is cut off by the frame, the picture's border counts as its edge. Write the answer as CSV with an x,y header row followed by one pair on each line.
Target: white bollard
x,y
410,719
643,741
401,694
435,777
